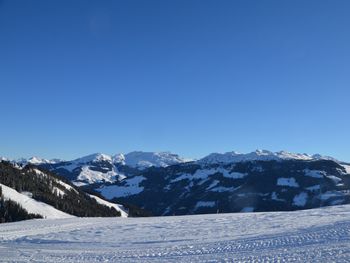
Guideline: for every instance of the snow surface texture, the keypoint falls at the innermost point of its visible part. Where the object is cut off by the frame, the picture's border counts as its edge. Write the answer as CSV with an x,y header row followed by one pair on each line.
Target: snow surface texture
x,y
31,205
319,235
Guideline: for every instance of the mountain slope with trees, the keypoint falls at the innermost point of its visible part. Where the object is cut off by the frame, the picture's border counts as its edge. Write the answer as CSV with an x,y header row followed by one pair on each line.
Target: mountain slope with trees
x,y
46,187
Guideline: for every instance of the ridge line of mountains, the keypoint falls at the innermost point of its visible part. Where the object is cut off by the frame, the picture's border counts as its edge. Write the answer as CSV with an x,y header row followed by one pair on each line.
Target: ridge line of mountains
x,y
142,159
163,183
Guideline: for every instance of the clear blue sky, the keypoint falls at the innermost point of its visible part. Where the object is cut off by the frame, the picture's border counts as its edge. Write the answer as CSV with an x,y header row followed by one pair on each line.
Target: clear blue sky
x,y
191,77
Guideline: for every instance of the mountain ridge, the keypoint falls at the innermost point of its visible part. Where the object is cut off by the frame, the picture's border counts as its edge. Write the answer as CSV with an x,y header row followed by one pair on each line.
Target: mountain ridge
x,y
142,159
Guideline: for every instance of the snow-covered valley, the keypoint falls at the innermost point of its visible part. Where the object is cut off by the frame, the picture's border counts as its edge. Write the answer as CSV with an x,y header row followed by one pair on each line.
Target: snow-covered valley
x,y
309,235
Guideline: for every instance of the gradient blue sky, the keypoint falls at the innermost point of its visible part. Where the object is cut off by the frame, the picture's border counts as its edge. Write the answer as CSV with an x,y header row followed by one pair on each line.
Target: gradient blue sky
x,y
191,77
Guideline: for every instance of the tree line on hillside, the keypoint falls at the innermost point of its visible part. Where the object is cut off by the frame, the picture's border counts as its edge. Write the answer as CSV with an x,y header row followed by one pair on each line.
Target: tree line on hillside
x,y
11,211
46,187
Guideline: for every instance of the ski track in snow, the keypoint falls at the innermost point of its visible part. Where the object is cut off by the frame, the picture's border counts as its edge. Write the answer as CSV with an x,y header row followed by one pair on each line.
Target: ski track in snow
x,y
319,235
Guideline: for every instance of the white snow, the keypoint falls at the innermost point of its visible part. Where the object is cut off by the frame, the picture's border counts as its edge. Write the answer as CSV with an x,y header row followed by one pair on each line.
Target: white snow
x,y
318,235
347,168
136,159
234,175
96,157
87,174
110,174
213,184
119,159
198,175
335,179
31,205
300,199
117,207
258,155
67,186
4,159
92,176
221,189
58,191
287,182
314,173
131,187
36,160
203,174
77,183
144,160
38,172
332,194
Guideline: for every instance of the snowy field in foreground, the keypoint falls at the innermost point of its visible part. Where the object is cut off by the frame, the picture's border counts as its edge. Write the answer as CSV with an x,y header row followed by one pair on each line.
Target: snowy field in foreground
x,y
307,236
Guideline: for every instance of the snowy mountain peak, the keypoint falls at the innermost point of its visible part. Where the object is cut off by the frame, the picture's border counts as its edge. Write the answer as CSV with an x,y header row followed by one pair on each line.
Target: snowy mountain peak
x,y
119,159
143,160
36,160
136,159
259,155
96,157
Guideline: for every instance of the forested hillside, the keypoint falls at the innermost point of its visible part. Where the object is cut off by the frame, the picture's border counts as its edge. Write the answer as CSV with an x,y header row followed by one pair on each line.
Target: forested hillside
x,y
45,187
11,211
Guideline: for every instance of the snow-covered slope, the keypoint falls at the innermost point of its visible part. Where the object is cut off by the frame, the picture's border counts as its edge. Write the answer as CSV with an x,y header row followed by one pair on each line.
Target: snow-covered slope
x,y
36,160
103,168
31,205
119,208
259,155
318,235
143,160
347,168
94,168
3,159
34,188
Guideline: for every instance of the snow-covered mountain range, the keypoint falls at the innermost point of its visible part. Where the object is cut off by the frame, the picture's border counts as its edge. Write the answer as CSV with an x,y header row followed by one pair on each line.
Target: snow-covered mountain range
x,y
99,167
166,184
136,159
142,160
260,155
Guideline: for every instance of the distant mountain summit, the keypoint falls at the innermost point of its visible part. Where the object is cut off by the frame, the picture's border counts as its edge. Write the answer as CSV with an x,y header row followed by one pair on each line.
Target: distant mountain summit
x,y
260,155
165,183
35,160
99,167
144,160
